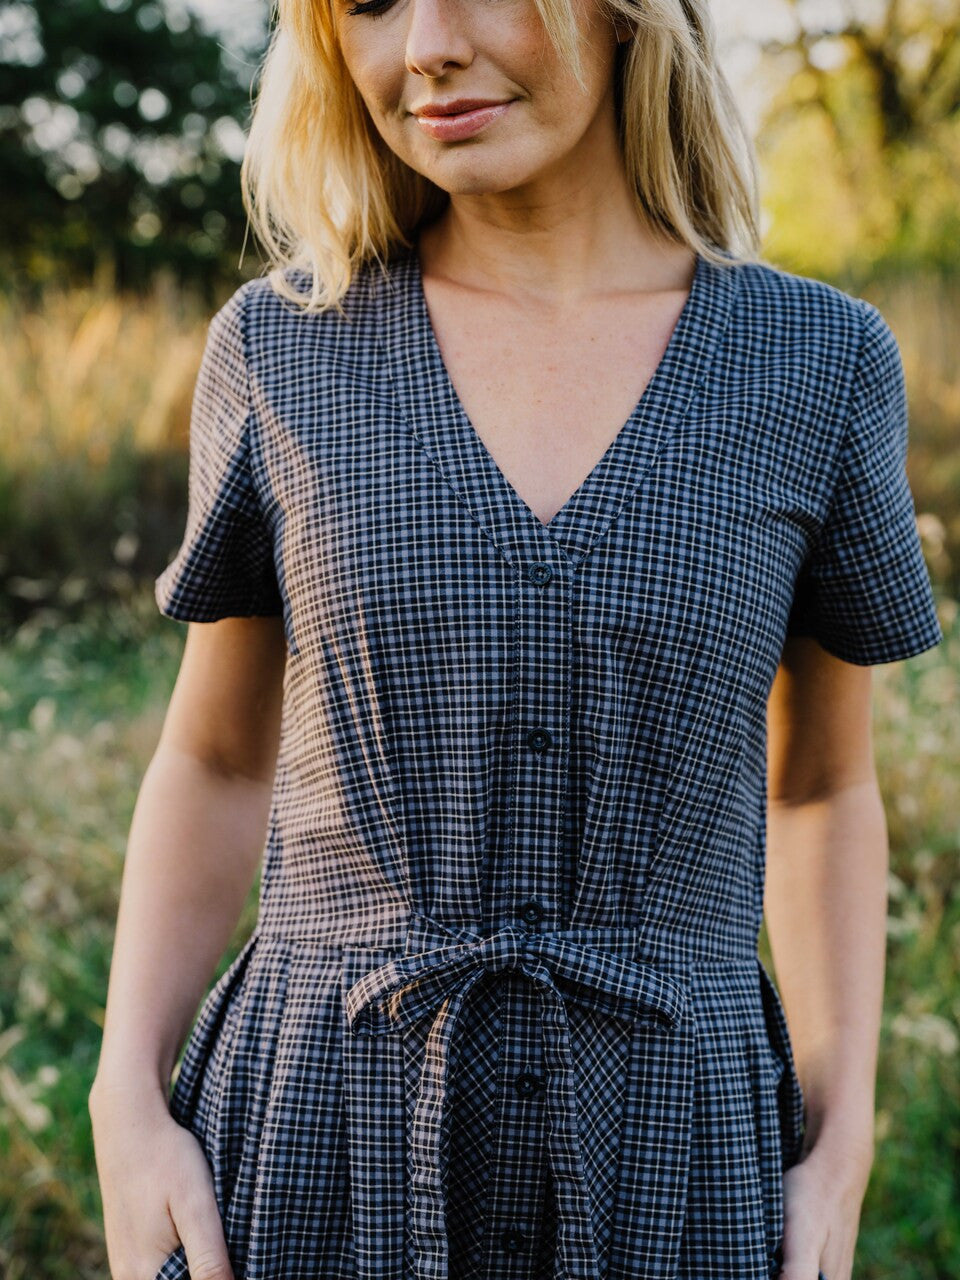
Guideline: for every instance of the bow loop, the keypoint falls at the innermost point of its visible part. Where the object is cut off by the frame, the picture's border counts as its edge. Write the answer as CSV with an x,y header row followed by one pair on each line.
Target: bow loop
x,y
611,983
413,986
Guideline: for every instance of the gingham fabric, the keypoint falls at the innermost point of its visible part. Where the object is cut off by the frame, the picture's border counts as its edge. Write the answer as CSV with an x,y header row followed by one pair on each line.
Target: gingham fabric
x,y
502,1016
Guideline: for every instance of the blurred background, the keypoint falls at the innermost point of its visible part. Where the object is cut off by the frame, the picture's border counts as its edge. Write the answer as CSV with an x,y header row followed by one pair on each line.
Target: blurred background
x,y
121,230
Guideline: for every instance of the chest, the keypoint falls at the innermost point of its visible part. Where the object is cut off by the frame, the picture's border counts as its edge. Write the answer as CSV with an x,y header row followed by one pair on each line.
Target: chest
x,y
395,522
547,394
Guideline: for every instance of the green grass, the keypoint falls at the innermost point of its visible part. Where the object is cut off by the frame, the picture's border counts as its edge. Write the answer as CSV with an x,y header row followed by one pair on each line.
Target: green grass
x,y
80,715
79,718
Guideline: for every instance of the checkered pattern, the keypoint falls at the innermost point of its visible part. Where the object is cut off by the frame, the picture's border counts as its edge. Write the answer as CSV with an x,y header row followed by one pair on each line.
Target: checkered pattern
x,y
502,1016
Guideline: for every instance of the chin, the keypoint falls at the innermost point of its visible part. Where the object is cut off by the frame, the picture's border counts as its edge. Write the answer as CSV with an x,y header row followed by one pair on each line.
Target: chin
x,y
467,176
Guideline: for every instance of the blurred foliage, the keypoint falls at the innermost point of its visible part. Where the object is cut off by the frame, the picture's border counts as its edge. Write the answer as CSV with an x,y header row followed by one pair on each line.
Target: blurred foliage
x,y
121,132
95,394
81,705
924,313
122,121
860,144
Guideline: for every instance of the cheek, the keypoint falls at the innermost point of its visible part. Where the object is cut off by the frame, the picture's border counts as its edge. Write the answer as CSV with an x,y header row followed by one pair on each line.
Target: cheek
x,y
375,62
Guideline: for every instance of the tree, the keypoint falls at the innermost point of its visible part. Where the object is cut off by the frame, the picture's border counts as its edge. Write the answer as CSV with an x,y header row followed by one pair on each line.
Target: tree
x,y
862,143
121,132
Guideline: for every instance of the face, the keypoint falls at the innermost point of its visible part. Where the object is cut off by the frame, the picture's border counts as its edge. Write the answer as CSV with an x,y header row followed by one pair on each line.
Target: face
x,y
404,55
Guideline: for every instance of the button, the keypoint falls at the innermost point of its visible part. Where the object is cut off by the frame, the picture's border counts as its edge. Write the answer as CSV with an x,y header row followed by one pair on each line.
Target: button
x,y
531,912
539,574
539,740
527,1083
513,1240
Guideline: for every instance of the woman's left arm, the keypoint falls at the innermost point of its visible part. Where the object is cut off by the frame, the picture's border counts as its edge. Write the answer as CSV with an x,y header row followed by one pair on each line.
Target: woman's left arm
x,y
825,905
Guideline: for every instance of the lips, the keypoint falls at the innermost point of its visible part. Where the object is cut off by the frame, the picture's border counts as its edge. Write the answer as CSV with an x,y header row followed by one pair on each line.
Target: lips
x,y
457,106
456,126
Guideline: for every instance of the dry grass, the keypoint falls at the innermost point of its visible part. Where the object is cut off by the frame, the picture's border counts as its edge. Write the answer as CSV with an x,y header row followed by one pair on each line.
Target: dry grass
x,y
88,368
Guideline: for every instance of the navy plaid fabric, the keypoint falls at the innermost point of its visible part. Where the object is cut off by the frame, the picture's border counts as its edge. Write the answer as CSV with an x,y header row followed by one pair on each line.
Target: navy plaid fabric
x,y
502,1016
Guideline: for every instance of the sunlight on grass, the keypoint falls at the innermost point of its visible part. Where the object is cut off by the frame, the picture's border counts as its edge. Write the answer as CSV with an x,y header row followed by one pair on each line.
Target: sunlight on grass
x,y
88,368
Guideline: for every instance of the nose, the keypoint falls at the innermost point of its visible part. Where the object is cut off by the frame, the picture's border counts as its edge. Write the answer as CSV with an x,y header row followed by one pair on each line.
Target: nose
x,y
436,37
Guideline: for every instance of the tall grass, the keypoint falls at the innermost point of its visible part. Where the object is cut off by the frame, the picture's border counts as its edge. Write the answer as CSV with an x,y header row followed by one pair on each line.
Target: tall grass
x,y
95,396
924,313
87,369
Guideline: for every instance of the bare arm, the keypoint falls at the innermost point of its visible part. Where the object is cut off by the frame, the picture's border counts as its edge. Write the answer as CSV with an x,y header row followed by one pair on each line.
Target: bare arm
x,y
825,906
826,890
194,845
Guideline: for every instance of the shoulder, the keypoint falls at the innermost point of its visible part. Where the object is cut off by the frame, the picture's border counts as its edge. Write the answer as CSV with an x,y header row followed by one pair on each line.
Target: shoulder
x,y
795,303
282,296
262,315
810,329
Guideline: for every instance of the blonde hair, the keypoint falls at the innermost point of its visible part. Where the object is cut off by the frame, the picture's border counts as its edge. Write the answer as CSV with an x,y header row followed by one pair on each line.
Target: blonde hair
x,y
325,194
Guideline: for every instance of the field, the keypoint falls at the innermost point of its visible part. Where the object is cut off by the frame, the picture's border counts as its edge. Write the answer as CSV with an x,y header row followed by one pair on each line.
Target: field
x,y
94,392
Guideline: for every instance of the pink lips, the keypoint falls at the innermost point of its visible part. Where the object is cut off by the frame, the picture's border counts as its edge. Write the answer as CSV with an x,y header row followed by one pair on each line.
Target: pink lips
x,y
463,124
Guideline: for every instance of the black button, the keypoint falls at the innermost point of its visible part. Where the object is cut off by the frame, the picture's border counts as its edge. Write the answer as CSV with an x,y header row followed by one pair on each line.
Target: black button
x,y
539,739
513,1240
527,1083
539,573
531,912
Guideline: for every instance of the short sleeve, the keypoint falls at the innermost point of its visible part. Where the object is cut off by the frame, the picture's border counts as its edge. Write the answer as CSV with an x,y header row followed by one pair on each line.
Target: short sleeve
x,y
864,591
224,566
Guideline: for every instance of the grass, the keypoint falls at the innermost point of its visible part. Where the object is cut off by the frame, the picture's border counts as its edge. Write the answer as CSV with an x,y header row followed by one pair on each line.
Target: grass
x,y
81,716
95,396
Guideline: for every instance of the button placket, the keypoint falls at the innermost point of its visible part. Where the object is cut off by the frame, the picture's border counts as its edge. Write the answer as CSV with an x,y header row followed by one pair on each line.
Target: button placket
x,y
531,895
542,699
515,1205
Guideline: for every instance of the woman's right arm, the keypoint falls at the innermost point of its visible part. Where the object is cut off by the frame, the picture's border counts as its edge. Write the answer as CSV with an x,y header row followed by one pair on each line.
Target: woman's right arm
x,y
195,842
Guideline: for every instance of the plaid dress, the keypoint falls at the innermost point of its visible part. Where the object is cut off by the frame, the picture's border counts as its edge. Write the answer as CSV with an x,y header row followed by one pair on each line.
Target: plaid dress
x,y
502,1016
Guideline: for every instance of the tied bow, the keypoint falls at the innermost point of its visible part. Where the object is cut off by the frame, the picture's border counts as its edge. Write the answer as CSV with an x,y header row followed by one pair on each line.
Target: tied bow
x,y
563,965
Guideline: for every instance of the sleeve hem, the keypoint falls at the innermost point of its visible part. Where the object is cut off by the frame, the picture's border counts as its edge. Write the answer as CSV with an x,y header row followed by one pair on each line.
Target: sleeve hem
x,y
878,652
187,611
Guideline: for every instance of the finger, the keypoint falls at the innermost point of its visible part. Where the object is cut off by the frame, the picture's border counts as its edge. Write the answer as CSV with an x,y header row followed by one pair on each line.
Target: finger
x,y
207,1259
800,1262
200,1229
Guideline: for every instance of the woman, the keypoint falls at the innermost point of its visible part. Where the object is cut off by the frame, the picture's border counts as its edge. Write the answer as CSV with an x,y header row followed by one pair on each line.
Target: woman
x,y
540,543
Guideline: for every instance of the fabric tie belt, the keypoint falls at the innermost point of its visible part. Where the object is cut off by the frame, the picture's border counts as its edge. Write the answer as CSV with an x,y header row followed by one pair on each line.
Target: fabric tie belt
x,y
434,978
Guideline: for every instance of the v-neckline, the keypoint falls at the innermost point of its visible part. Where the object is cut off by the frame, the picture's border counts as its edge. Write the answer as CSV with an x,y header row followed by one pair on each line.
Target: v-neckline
x,y
434,410
465,422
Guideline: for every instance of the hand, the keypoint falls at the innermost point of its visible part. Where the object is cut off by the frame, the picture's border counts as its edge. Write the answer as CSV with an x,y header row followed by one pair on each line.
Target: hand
x,y
156,1187
823,1195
